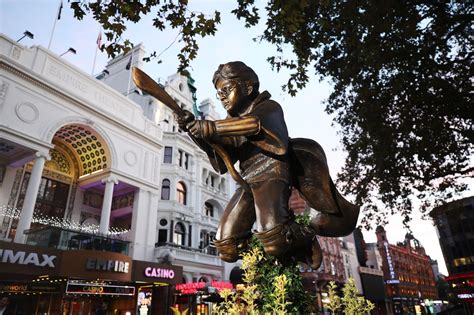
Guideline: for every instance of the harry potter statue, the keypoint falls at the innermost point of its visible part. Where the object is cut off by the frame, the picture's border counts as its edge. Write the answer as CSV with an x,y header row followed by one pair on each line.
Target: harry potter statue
x,y
255,134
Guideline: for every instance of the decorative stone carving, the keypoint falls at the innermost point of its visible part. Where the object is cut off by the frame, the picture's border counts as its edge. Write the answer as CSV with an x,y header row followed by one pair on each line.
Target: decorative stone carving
x,y
16,52
130,158
3,91
27,112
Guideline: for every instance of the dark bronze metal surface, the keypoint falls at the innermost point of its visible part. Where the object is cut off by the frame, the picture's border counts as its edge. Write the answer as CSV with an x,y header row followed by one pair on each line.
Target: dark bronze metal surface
x,y
255,134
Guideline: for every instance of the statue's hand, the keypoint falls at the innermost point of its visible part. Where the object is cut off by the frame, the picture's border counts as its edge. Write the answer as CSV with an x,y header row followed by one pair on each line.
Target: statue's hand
x,y
185,119
205,129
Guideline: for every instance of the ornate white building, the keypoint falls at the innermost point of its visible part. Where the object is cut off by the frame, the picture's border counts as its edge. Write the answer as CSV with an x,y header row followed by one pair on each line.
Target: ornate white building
x,y
193,195
98,153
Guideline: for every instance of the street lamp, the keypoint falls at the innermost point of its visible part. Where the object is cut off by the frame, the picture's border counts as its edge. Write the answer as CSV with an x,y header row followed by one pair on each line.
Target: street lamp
x,y
71,50
26,34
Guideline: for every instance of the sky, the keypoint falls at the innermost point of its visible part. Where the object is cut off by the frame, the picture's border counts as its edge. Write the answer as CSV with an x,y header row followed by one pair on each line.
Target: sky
x,y
304,113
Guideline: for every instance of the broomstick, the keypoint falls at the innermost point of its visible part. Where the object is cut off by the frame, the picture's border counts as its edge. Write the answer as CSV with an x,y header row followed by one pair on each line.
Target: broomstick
x,y
148,85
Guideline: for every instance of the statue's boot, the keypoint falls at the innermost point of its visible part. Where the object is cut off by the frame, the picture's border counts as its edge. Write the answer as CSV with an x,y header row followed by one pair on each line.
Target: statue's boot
x,y
292,241
230,248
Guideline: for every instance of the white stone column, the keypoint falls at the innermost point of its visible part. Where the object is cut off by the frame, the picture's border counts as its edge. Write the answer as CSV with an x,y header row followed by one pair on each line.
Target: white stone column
x,y
30,198
205,173
138,232
152,227
107,204
77,208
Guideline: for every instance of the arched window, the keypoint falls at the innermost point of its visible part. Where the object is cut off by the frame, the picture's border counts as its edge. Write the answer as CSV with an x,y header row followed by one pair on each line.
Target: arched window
x,y
203,279
178,234
165,189
181,193
208,209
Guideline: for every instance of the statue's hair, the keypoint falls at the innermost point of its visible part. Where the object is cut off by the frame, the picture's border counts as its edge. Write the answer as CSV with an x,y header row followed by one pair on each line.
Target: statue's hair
x,y
236,70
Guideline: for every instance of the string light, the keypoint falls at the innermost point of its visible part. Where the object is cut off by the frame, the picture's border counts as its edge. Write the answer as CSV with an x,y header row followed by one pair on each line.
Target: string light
x,y
14,213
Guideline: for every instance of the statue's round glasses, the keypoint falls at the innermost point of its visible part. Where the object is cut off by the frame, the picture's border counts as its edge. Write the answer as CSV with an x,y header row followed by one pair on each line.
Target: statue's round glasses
x,y
225,91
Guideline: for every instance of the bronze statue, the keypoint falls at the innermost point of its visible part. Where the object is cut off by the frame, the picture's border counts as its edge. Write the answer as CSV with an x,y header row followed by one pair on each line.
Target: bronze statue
x,y
255,134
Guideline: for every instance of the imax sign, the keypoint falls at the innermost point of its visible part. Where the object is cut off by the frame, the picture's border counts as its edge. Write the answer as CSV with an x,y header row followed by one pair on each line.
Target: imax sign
x,y
24,258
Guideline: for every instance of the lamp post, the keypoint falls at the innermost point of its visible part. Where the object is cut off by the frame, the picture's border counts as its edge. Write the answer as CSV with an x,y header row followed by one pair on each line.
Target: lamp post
x,y
71,50
26,34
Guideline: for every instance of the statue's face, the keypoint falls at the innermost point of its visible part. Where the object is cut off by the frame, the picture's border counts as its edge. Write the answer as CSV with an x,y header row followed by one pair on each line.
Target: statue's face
x,y
233,95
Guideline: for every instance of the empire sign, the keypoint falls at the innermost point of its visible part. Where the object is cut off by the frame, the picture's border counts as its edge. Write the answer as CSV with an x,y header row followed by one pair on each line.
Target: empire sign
x,y
27,258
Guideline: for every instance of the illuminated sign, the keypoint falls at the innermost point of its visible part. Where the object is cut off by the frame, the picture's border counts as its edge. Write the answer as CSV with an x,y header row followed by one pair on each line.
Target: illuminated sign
x,y
219,285
18,287
193,287
107,265
190,288
84,288
392,281
466,296
24,258
390,264
151,272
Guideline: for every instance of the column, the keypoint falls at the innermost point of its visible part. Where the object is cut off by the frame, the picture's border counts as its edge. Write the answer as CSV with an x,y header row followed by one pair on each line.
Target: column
x,y
205,173
107,204
145,210
30,198
218,182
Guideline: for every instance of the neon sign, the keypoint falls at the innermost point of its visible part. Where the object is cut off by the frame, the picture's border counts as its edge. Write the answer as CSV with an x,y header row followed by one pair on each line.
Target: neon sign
x,y
220,285
151,272
390,264
193,287
84,288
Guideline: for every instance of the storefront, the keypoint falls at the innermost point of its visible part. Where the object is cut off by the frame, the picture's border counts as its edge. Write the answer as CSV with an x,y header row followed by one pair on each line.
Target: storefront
x,y
97,280
47,281
29,276
155,286
199,297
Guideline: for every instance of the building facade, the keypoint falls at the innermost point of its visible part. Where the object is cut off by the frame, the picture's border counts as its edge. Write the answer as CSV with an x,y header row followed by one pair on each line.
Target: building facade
x,y
332,267
407,272
454,222
351,263
193,196
94,170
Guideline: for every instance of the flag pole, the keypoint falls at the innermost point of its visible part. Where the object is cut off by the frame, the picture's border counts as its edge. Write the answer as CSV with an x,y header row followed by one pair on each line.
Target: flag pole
x,y
93,64
54,25
97,46
129,67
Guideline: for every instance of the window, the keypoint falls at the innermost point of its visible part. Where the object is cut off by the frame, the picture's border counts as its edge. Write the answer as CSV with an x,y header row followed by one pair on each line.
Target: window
x,y
203,279
333,268
206,244
186,160
204,239
208,209
162,235
178,234
181,193
50,202
183,159
212,181
165,189
168,155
